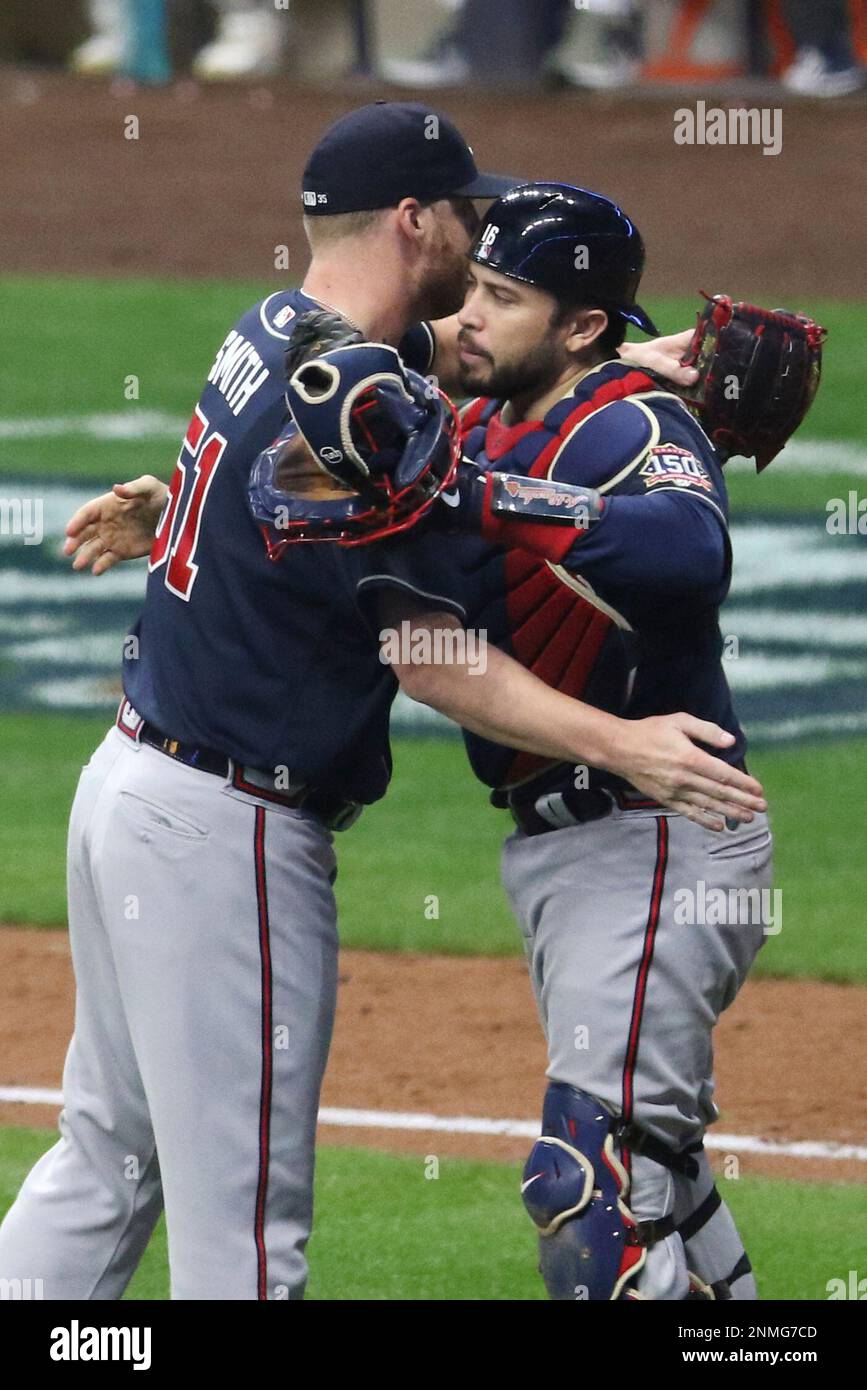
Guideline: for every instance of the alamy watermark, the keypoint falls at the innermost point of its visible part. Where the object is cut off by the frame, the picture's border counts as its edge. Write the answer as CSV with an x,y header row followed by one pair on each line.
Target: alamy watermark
x,y
439,646
730,125
720,907
21,1290
852,1288
77,1343
22,516
846,516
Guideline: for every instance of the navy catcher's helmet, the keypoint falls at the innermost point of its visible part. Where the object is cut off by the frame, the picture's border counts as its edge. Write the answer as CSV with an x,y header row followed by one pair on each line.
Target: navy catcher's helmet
x,y
576,245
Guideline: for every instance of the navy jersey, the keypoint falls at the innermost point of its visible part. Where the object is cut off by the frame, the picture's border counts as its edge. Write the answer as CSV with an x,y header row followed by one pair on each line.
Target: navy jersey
x,y
418,348
628,621
641,588
270,663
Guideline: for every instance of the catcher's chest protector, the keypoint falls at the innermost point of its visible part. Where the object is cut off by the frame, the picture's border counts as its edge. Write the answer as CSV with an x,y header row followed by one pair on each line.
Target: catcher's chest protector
x,y
554,624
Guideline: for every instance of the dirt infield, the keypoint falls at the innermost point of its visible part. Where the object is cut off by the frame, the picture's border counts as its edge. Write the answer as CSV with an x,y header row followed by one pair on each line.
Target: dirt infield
x,y
459,1036
211,184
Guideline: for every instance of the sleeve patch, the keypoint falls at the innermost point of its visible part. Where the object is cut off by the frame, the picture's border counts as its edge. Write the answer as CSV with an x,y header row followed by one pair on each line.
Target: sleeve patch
x,y
276,315
674,466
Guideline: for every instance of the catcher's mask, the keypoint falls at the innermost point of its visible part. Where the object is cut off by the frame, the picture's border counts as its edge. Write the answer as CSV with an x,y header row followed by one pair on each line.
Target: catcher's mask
x,y
369,448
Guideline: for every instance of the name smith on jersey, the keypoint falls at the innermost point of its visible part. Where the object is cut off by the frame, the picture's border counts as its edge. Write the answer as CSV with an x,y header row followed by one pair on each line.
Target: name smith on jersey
x,y
238,371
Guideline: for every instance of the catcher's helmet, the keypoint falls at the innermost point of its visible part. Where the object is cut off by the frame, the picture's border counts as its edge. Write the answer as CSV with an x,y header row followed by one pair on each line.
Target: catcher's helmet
x,y
576,245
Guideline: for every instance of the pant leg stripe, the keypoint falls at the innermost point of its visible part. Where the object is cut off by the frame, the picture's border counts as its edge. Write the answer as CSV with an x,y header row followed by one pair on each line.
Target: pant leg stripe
x,y
644,968
267,1054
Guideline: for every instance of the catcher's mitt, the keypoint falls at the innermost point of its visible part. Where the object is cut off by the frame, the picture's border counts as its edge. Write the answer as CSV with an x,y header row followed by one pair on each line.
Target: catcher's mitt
x,y
316,332
759,371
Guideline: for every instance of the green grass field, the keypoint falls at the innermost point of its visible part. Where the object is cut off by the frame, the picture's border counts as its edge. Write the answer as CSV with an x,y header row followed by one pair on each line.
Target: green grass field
x,y
385,1231
166,334
453,849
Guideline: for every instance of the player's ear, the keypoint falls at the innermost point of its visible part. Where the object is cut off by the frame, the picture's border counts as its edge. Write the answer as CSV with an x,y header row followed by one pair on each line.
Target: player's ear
x,y
411,218
585,326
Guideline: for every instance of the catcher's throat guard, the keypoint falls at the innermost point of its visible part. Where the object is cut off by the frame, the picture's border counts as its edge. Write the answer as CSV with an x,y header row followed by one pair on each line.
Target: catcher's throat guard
x,y
369,448
759,371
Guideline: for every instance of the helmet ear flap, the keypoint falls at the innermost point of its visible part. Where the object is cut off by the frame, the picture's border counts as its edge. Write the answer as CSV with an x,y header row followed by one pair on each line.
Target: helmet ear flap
x,y
322,395
316,381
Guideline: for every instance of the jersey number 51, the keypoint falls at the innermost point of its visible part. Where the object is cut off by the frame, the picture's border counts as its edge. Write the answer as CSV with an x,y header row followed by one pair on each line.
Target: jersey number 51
x,y
175,542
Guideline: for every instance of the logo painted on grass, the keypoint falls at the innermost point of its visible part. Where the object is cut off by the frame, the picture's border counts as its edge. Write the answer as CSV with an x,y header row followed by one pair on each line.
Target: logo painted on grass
x,y
795,623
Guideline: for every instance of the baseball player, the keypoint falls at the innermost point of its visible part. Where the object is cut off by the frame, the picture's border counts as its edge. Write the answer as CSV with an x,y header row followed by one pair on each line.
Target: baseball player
x,y
254,723
628,990
621,604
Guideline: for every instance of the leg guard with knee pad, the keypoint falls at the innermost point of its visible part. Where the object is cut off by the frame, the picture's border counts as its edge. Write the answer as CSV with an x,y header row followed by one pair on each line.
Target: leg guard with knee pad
x,y
574,1188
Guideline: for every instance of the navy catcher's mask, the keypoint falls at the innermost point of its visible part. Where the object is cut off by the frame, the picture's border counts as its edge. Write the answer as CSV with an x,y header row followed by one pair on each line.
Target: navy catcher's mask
x,y
369,448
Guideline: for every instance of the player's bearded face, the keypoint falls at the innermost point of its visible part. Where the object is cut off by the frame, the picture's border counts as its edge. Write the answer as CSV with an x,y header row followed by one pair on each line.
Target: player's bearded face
x,y
455,225
508,343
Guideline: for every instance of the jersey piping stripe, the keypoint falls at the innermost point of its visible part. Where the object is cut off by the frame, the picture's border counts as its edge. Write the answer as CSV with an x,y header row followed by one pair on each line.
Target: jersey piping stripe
x,y
699,497
581,586
472,413
266,1084
644,967
670,396
630,467
431,342
389,581
603,395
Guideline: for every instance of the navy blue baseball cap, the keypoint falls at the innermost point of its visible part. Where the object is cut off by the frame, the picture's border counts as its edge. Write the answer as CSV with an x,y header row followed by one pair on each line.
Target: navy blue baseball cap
x,y
378,155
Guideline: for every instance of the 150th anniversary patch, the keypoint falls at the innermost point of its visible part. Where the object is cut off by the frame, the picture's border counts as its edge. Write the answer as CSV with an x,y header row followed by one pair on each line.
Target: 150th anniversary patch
x,y
669,463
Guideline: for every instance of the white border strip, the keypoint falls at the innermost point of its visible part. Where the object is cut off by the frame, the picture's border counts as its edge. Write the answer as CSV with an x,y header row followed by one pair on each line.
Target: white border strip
x,y
510,1129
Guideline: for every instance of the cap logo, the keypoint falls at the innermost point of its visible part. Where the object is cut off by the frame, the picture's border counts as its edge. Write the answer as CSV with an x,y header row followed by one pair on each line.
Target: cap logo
x,y
312,200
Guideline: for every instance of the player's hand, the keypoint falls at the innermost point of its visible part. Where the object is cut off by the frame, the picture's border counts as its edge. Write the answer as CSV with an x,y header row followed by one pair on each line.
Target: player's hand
x,y
119,525
663,355
661,759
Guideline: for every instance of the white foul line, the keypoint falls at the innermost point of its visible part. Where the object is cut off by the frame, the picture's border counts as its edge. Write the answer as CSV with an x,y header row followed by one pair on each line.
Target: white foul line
x,y
510,1129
